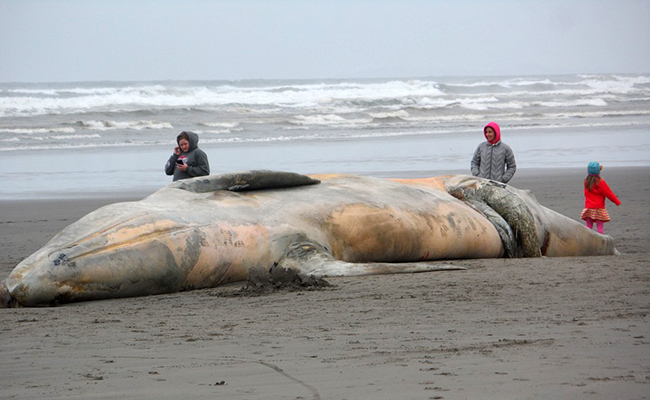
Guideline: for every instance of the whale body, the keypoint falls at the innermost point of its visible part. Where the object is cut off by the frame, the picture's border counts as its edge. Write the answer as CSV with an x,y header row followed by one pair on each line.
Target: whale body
x,y
209,231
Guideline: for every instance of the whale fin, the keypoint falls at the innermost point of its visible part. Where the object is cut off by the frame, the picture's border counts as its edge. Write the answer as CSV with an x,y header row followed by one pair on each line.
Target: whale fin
x,y
503,229
244,181
311,259
503,202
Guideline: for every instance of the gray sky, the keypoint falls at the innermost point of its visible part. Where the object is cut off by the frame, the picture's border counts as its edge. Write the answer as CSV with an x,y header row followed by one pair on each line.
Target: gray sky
x,y
83,40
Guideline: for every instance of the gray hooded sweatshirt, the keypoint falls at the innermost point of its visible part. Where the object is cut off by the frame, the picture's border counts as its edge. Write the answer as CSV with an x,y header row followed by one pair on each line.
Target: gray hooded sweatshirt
x,y
195,158
494,160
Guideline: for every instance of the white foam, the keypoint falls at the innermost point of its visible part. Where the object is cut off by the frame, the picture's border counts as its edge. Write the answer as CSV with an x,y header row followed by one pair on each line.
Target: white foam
x,y
217,131
65,91
572,103
29,131
65,137
228,125
73,141
154,96
80,145
328,119
351,96
509,83
390,114
295,110
136,125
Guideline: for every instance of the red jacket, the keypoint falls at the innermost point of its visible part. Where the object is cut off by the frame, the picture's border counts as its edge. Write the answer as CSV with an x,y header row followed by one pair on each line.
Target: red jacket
x,y
596,197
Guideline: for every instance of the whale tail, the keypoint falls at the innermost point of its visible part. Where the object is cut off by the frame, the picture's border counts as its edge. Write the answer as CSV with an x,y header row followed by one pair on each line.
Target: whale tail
x,y
310,259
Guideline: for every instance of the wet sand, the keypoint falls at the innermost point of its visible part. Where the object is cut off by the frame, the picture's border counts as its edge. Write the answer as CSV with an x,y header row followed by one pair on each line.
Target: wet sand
x,y
561,328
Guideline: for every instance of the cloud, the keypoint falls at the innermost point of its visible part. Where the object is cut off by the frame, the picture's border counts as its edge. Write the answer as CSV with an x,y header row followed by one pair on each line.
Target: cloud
x,y
75,40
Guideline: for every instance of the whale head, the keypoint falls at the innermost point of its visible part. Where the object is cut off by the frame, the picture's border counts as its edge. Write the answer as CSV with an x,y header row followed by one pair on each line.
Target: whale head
x,y
118,250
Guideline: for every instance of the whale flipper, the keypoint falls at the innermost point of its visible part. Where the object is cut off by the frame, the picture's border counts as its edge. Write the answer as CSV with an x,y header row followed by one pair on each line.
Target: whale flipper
x,y
504,203
311,259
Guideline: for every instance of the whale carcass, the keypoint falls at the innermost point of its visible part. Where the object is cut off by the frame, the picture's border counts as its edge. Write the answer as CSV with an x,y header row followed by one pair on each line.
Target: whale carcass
x,y
208,231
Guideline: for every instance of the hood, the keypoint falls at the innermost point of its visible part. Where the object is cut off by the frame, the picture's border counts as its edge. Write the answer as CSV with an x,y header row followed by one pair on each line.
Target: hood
x,y
193,137
496,128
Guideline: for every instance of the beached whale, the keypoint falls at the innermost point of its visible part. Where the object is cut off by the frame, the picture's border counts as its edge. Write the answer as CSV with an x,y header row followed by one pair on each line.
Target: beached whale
x,y
208,231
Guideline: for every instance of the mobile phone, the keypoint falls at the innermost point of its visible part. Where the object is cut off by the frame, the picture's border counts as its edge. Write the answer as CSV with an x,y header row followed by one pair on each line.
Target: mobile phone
x,y
179,161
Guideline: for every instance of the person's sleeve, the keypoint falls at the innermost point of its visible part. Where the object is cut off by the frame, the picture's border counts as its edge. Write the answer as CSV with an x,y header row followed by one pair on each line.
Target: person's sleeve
x,y
202,166
476,161
171,164
604,189
511,166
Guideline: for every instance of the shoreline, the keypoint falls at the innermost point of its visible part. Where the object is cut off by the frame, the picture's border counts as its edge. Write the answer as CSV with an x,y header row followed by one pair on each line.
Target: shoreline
x,y
562,328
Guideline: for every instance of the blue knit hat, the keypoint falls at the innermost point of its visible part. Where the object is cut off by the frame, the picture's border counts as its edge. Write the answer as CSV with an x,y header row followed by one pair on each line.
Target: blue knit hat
x,y
593,168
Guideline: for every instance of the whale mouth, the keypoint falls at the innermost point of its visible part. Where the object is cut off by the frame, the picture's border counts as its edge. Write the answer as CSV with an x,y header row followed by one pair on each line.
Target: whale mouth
x,y
128,239
6,300
25,286
116,262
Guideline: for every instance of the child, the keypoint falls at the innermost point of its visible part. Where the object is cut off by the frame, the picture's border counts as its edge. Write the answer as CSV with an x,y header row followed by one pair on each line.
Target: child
x,y
596,190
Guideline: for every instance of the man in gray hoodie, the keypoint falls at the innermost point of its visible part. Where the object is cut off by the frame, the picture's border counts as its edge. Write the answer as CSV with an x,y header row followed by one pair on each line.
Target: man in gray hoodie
x,y
188,161
494,159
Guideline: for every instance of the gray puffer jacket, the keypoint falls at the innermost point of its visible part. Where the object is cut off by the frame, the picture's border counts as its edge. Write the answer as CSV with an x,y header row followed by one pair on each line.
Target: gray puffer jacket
x,y
495,160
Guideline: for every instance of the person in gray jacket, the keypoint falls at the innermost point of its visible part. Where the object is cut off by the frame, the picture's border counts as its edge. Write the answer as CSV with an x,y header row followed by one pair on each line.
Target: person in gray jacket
x,y
187,161
494,159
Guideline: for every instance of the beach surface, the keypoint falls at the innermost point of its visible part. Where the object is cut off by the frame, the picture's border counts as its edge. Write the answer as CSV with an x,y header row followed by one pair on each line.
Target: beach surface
x,y
545,328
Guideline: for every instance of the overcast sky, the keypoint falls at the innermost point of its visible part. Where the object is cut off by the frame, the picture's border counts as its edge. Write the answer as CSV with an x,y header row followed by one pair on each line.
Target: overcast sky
x,y
88,40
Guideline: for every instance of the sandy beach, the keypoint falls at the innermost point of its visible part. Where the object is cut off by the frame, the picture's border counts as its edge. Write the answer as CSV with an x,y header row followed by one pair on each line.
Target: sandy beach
x,y
545,328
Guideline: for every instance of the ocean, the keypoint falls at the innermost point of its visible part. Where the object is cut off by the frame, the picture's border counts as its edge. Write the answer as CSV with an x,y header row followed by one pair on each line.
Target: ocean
x,y
92,138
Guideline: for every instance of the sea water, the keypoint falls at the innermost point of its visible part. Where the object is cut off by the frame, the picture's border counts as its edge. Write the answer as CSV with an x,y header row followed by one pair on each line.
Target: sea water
x,y
67,139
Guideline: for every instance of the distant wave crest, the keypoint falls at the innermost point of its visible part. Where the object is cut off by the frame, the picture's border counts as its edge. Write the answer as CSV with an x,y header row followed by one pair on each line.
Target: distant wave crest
x,y
110,125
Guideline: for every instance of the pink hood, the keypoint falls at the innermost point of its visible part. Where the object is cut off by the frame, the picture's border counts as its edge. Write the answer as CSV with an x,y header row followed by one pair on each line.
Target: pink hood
x,y
496,128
